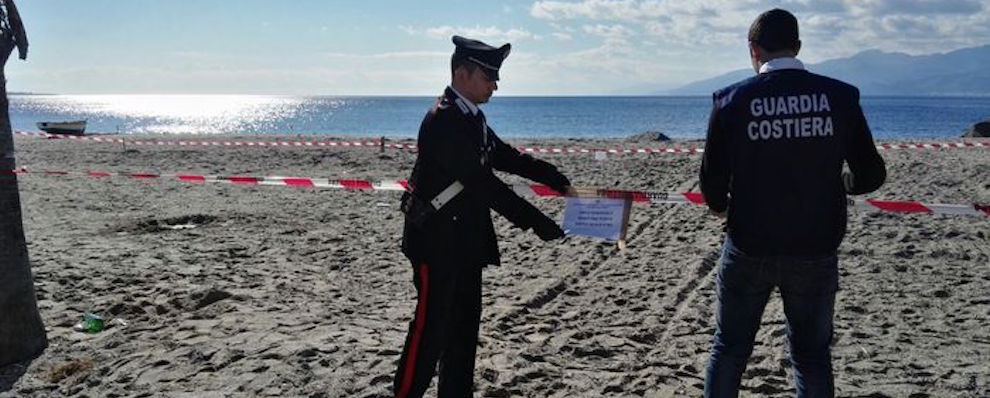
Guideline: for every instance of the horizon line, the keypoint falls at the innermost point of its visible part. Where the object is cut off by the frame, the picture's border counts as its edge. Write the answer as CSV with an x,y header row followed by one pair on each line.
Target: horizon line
x,y
27,93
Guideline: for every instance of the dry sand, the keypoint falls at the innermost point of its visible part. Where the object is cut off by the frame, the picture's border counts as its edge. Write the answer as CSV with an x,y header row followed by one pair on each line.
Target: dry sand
x,y
275,291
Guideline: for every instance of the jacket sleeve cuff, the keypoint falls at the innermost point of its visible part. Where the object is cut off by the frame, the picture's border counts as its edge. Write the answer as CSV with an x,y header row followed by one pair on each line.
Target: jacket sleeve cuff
x,y
717,204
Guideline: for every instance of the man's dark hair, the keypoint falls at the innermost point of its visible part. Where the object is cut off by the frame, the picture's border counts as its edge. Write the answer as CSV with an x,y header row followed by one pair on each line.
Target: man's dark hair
x,y
775,30
457,62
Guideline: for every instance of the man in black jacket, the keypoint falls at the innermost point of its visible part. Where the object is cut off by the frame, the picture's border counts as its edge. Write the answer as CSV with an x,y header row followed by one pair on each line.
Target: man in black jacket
x,y
774,160
448,233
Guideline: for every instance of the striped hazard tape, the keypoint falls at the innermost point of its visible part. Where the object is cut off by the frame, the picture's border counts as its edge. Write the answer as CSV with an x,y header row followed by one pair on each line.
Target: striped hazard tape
x,y
690,149
701,149
206,143
614,151
521,189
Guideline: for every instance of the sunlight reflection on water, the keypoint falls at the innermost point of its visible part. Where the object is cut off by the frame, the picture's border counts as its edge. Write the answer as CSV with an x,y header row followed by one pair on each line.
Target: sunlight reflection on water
x,y
570,117
193,114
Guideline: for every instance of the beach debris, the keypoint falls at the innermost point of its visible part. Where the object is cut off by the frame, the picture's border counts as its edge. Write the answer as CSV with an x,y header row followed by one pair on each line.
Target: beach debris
x,y
866,353
182,226
979,130
118,322
74,370
601,155
91,323
167,224
648,136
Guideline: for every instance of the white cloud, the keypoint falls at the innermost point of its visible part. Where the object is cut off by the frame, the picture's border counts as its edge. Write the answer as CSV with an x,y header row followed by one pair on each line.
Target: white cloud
x,y
484,33
829,28
567,46
622,10
347,74
608,31
679,41
625,10
560,27
916,7
685,24
392,55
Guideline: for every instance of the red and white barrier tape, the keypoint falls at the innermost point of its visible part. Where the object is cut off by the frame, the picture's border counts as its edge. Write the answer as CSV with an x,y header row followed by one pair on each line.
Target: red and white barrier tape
x,y
413,147
614,151
273,144
694,149
521,189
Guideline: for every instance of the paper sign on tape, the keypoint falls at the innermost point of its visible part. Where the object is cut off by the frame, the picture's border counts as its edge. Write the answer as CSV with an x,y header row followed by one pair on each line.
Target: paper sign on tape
x,y
596,217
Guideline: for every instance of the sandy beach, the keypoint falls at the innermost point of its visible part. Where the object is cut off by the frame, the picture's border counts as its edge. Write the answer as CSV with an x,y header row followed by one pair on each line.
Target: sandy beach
x,y
275,291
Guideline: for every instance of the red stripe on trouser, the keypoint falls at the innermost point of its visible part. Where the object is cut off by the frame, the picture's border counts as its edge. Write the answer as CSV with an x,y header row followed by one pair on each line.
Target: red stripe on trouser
x,y
424,291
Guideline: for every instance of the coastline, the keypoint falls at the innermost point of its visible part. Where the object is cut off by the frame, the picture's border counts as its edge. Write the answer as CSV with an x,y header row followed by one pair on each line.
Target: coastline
x,y
517,117
301,292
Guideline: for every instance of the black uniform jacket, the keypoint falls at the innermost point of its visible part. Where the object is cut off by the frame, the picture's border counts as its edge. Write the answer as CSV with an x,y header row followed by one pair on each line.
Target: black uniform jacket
x,y
776,145
454,145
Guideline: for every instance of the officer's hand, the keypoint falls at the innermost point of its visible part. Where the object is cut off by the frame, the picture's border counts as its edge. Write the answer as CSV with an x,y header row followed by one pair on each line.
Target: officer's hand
x,y
566,190
560,184
548,230
848,180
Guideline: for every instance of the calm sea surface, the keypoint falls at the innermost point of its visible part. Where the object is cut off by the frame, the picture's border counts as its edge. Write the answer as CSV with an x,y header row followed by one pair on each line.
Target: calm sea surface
x,y
534,117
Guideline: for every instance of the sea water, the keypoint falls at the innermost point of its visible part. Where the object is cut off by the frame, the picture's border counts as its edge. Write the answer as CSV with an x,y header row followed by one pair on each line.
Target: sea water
x,y
512,117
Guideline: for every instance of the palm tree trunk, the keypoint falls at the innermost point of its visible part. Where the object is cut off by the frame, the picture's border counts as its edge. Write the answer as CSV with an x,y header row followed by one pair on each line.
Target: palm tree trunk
x,y
22,335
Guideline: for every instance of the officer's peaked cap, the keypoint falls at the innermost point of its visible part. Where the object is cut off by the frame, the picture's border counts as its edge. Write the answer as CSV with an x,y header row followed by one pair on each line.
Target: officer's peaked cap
x,y
487,57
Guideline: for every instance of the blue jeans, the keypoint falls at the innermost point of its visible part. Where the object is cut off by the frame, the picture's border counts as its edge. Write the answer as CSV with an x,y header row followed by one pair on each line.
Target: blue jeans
x,y
807,287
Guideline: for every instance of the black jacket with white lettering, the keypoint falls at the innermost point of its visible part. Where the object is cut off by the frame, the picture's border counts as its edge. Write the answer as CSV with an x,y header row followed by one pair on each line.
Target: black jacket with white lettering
x,y
453,146
774,157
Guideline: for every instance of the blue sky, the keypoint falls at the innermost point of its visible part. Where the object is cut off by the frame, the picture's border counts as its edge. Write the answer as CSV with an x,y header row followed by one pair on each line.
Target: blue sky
x,y
403,47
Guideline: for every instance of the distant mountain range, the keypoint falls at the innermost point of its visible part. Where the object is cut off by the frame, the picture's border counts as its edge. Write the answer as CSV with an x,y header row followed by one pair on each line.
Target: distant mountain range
x,y
964,72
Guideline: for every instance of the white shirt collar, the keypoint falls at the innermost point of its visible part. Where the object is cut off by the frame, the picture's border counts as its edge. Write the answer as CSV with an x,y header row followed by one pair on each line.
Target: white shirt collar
x,y
781,64
470,105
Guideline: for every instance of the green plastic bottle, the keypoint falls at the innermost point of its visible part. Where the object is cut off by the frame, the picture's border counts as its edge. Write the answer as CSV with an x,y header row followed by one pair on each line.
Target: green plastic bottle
x,y
91,323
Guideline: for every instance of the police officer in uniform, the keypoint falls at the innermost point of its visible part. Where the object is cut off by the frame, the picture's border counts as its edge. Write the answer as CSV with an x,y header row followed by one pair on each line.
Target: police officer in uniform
x,y
777,143
448,233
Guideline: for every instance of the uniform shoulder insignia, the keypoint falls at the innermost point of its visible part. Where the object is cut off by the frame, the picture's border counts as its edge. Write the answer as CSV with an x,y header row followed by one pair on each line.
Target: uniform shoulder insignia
x,y
434,110
724,97
441,104
464,108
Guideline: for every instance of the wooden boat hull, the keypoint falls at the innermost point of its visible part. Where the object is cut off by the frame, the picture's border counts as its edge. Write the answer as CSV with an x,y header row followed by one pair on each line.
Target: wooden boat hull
x,y
69,128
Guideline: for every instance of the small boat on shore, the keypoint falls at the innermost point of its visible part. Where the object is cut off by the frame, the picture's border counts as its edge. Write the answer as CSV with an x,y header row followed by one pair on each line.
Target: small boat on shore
x,y
70,128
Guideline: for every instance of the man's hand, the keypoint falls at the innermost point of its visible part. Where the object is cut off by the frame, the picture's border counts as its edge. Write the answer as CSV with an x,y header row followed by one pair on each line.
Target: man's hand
x,y
561,184
567,191
848,180
548,230
719,214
